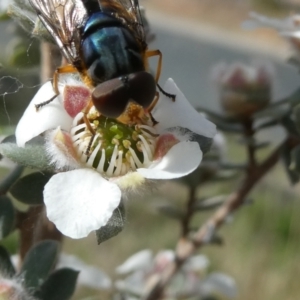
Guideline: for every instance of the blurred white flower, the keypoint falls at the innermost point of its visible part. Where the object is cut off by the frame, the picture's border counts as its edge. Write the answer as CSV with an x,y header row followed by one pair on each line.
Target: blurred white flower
x,y
139,260
189,282
288,27
89,275
99,167
219,284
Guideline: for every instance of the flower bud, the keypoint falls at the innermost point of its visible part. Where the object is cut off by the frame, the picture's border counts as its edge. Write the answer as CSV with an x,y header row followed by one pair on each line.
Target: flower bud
x,y
244,89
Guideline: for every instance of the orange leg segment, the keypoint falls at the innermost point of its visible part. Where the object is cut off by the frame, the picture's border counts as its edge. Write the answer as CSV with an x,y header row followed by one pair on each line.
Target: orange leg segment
x,y
61,70
152,53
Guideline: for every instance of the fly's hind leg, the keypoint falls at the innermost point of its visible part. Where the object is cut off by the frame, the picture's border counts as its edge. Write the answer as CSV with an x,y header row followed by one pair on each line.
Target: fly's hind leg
x,y
61,70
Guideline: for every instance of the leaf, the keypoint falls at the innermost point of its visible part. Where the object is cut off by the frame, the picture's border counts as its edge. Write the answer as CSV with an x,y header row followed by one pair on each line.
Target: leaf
x,y
38,263
10,179
171,211
6,266
32,155
266,124
7,216
276,112
227,124
295,160
293,176
29,189
114,226
289,125
254,143
60,285
232,166
209,203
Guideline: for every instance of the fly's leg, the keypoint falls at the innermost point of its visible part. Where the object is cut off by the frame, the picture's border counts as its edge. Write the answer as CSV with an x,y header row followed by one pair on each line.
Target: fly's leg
x,y
152,53
61,70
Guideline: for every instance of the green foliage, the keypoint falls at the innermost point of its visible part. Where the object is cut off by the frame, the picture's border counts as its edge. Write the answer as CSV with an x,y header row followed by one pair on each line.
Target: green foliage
x,y
38,263
59,286
7,216
6,266
29,189
32,155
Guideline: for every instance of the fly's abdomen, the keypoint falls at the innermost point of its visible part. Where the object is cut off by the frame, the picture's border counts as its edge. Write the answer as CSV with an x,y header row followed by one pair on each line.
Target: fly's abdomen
x,y
109,50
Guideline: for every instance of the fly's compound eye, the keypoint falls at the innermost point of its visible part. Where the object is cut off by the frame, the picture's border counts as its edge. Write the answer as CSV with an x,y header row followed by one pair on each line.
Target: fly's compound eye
x,y
111,97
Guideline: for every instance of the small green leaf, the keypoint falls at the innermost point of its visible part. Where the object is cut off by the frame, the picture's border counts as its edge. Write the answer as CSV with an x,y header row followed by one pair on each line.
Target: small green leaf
x,y
266,124
38,263
209,203
276,112
32,155
29,189
7,216
289,125
6,266
293,175
59,286
10,179
171,211
232,166
114,226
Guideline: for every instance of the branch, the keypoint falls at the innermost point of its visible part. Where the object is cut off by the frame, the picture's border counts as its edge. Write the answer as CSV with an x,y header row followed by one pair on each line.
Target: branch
x,y
186,248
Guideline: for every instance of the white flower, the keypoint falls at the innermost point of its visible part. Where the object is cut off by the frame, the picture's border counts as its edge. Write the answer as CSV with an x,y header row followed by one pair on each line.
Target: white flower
x,y
189,282
96,166
89,275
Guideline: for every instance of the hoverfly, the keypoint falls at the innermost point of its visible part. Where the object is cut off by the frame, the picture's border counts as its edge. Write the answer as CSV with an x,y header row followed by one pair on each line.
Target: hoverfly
x,y
104,41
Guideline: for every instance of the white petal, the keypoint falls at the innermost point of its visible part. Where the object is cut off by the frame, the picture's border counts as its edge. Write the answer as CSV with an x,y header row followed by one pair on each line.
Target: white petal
x,y
196,263
50,116
80,201
180,113
89,276
140,260
221,284
182,159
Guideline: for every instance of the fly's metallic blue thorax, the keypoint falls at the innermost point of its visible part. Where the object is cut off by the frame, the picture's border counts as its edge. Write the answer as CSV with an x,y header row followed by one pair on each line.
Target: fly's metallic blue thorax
x,y
109,49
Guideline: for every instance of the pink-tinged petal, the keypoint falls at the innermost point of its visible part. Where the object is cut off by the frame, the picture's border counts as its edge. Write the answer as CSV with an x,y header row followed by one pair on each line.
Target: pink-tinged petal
x,y
80,201
163,144
76,98
182,159
60,149
180,113
34,122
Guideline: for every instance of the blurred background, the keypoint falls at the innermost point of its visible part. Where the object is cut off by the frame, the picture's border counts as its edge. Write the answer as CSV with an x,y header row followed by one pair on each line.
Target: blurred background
x,y
261,243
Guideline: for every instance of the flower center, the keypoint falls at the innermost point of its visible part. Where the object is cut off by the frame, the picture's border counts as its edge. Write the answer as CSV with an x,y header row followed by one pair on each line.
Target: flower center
x,y
111,147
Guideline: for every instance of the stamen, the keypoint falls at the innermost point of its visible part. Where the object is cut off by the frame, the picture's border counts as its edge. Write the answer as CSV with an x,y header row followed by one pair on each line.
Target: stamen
x,y
111,167
115,148
93,155
149,129
146,145
77,128
100,167
135,158
146,158
119,164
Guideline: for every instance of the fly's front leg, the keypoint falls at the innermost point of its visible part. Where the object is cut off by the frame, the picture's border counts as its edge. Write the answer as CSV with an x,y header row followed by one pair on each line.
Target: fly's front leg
x,y
61,70
152,53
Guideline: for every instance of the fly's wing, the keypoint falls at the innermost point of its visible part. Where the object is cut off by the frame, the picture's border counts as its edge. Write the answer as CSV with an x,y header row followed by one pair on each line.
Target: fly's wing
x,y
63,19
129,12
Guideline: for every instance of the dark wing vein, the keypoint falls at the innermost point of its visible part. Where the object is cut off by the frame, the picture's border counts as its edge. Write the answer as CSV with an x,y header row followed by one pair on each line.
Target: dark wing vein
x,y
63,19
